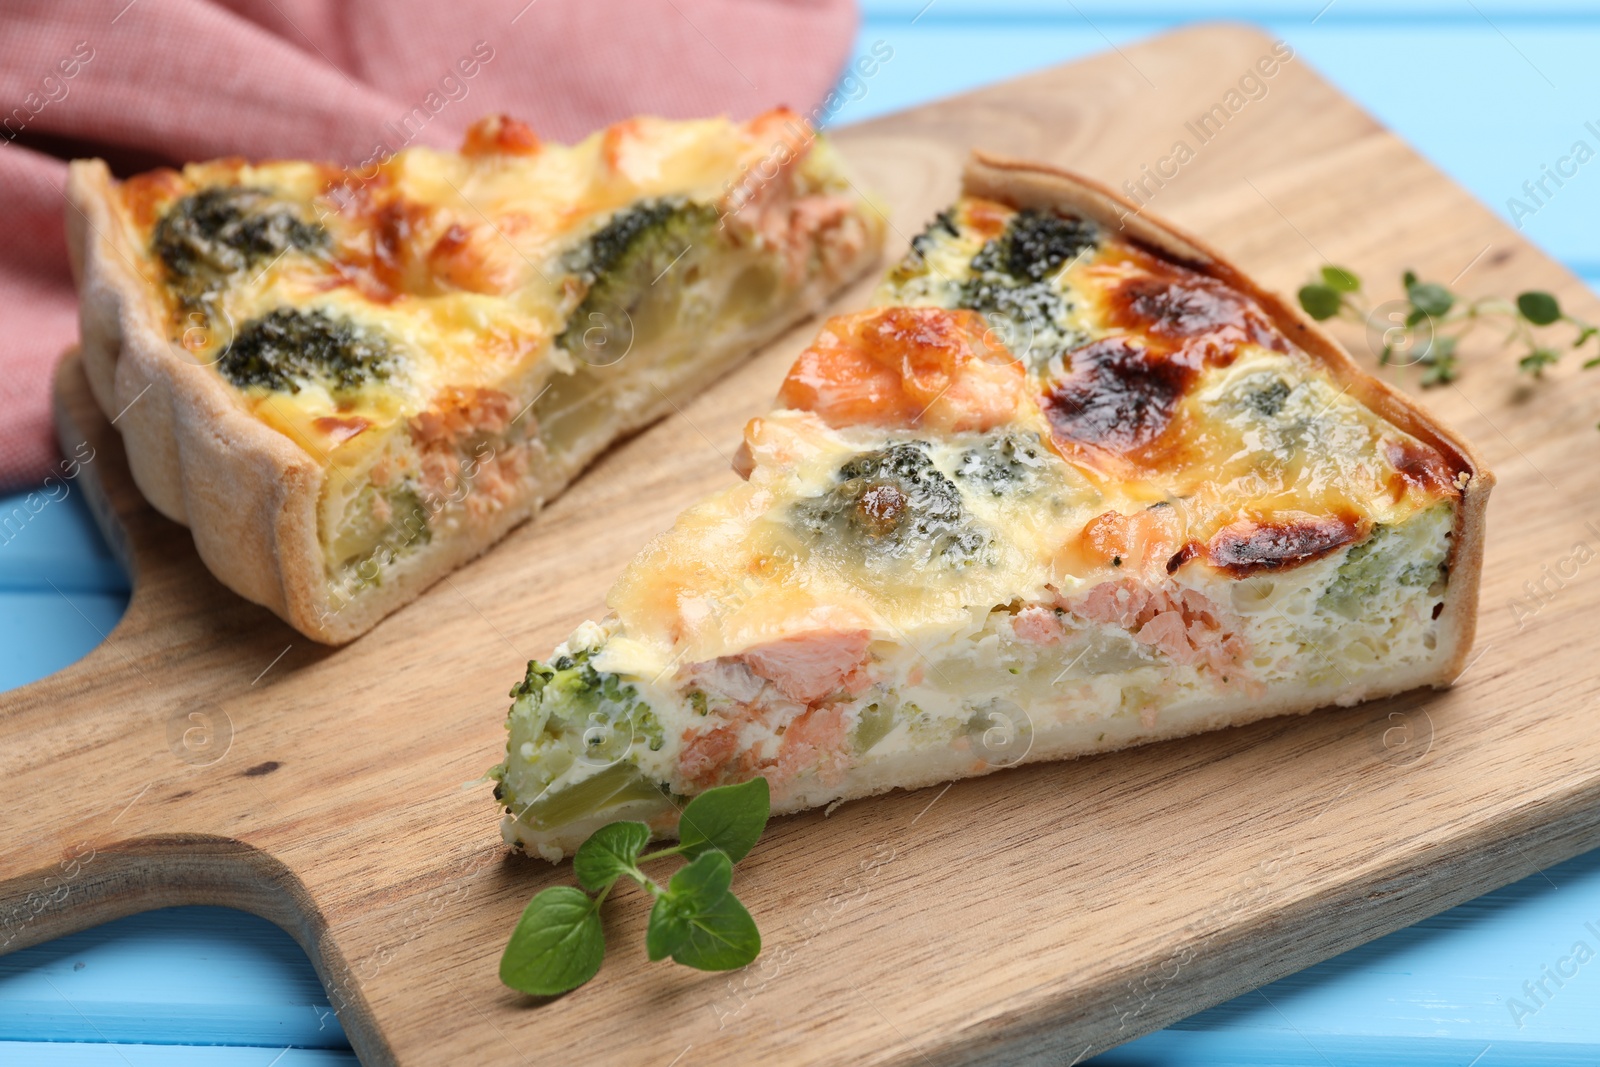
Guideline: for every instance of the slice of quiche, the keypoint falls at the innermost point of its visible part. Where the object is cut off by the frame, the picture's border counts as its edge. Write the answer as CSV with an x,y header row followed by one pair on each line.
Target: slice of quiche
x,y
349,381
1074,484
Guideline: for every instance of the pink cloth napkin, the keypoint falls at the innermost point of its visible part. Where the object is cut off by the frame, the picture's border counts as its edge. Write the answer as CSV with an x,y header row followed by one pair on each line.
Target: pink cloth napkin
x,y
158,82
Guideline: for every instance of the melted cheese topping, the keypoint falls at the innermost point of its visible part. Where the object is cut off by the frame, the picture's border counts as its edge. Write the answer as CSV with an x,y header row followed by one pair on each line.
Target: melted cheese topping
x,y
440,330
456,259
1171,425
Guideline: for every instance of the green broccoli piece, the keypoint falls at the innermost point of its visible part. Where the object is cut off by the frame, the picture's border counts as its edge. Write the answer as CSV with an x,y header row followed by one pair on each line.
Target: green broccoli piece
x,y
894,504
594,704
287,349
1004,464
1035,246
622,262
207,237
1269,400
1367,569
1013,283
942,228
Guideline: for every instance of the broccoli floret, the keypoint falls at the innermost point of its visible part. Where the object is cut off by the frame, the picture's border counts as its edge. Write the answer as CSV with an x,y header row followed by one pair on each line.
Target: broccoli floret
x,y
1268,400
911,275
286,349
606,713
207,237
1004,465
1012,280
622,262
942,226
1035,246
1013,283
894,504
1367,568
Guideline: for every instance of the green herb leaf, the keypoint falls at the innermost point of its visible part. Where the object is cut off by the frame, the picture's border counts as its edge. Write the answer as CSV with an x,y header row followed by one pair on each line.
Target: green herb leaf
x,y
609,853
720,939
1340,280
695,890
1322,302
1541,309
1408,279
1430,298
1590,364
1437,356
1584,334
702,882
729,818
1440,372
668,929
1536,361
557,945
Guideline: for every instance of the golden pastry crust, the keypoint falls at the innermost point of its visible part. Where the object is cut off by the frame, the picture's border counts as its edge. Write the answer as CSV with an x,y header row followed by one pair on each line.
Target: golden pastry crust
x,y
248,493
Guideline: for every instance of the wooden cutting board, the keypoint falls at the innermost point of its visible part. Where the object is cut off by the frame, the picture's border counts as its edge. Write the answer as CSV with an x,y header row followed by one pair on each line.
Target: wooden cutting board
x,y
207,754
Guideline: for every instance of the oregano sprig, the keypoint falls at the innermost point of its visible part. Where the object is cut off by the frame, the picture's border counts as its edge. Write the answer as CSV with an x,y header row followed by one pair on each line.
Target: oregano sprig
x,y
1433,320
559,942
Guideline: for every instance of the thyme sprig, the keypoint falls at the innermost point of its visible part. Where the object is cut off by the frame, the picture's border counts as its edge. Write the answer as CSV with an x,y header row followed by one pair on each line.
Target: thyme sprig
x,y
1426,327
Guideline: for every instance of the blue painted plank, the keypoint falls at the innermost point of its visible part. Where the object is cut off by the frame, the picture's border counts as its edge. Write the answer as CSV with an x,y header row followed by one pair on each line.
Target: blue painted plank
x,y
1493,105
40,633
61,589
1516,971
37,1054
48,539
193,975
1483,13
1502,972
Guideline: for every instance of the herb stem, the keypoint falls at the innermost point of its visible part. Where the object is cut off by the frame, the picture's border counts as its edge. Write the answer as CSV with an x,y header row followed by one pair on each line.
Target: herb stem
x,y
661,854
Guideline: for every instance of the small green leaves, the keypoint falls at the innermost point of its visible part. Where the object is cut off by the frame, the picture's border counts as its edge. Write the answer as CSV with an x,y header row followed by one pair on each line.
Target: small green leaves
x,y
1541,309
1536,361
1324,299
1430,298
703,881
1437,357
668,929
557,945
611,852
1321,302
729,818
721,938
1340,280
697,889
1429,309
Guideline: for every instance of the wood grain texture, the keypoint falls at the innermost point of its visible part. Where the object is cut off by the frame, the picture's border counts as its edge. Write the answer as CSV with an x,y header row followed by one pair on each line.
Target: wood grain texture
x,y
1033,916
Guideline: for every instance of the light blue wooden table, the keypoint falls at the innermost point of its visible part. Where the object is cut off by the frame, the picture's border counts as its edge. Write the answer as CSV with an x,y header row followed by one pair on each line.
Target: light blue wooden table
x,y
1488,89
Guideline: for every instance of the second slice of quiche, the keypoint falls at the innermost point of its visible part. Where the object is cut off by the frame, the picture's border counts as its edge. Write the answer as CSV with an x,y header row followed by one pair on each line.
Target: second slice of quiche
x,y
1075,484
349,381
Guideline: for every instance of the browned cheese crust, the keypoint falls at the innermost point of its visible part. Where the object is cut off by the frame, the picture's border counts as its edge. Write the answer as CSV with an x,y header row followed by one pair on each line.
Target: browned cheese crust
x,y
1024,184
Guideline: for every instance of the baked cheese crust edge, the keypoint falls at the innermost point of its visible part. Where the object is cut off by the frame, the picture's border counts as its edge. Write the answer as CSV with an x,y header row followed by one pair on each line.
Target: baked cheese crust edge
x,y
248,493
1024,184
